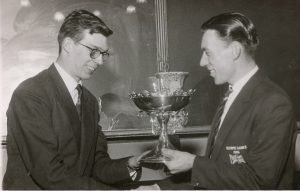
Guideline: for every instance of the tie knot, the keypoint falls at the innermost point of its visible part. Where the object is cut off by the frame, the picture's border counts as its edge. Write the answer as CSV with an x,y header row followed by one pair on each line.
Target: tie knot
x,y
79,88
229,91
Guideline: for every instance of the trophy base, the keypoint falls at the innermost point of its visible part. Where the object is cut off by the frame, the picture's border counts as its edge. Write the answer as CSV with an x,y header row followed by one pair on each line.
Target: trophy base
x,y
155,156
154,160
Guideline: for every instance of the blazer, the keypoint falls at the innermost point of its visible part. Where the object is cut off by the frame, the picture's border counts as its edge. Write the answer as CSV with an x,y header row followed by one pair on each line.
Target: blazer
x,y
255,147
49,147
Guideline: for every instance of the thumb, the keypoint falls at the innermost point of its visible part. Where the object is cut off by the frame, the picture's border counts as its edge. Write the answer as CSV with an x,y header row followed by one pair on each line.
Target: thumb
x,y
142,155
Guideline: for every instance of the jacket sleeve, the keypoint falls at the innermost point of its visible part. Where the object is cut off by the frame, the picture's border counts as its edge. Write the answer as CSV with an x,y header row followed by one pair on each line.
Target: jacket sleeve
x,y
107,170
29,121
272,139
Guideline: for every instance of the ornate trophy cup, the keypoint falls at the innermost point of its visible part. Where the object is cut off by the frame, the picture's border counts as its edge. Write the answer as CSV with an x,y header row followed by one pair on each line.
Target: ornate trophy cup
x,y
169,98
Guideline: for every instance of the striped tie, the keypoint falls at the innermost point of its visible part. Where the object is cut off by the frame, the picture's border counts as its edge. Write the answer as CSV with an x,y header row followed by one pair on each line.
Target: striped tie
x,y
215,128
78,103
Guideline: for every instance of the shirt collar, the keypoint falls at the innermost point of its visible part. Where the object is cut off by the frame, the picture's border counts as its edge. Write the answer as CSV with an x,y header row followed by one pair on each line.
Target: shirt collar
x,y
240,83
70,82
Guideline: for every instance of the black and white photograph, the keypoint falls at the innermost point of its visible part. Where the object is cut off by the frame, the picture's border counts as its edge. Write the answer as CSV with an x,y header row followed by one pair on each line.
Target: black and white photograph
x,y
150,94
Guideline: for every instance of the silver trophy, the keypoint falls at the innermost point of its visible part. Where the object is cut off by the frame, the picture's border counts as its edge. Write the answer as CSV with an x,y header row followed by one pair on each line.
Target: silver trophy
x,y
167,99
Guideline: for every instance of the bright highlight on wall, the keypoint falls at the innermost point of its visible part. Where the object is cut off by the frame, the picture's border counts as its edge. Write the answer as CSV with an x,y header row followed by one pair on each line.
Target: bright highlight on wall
x,y
131,9
25,3
59,16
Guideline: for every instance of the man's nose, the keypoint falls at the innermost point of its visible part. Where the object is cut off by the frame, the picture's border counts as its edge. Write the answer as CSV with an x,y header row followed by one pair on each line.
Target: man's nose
x,y
203,60
99,60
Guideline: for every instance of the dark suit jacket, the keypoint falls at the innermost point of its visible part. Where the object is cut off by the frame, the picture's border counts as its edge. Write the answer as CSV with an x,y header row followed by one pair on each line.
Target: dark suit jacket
x,y
44,152
256,142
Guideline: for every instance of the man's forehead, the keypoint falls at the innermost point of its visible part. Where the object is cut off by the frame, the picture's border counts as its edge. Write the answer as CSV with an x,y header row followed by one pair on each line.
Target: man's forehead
x,y
211,37
96,40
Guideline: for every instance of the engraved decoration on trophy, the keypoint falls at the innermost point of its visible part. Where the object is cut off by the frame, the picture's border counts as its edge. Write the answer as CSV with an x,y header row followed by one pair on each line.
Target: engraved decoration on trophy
x,y
168,83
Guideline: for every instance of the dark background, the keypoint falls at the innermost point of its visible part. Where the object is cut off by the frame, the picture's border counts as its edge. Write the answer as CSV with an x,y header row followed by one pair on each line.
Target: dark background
x,y
278,26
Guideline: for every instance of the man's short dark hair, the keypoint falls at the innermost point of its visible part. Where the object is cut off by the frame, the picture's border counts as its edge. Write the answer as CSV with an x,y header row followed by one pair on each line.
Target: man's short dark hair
x,y
78,21
234,27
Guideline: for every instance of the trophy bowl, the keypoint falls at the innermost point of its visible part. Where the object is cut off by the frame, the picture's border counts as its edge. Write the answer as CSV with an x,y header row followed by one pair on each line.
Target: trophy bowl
x,y
161,103
161,106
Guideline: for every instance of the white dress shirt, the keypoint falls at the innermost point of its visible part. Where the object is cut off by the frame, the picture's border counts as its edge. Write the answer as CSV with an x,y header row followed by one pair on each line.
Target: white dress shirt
x,y
236,88
70,82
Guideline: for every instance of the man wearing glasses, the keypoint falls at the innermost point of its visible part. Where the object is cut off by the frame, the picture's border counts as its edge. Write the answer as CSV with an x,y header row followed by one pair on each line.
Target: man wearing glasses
x,y
54,141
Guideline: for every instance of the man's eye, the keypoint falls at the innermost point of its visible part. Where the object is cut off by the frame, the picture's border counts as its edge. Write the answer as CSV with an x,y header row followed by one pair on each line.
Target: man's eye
x,y
95,52
105,53
207,53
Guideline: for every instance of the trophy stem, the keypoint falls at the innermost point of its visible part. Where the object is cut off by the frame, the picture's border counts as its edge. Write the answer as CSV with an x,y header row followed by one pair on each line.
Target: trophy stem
x,y
155,155
163,141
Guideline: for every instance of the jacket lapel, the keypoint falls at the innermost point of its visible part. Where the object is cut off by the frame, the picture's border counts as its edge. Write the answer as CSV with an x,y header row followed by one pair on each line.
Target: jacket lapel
x,y
238,107
64,98
210,138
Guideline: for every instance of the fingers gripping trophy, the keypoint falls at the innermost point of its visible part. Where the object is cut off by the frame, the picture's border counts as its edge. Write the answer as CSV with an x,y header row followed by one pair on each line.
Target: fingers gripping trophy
x,y
162,101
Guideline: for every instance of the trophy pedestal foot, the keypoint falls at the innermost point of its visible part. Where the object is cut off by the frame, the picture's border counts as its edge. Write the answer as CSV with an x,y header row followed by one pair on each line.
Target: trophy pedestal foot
x,y
152,157
155,155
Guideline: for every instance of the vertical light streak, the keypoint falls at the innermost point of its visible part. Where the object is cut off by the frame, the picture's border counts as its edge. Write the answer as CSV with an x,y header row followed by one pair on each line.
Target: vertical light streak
x,y
161,35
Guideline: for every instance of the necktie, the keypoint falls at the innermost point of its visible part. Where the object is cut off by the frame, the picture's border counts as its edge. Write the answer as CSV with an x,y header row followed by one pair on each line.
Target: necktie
x,y
219,113
78,103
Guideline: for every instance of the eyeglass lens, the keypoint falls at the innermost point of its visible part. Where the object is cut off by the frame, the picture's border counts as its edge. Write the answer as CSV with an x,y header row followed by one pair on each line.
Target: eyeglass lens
x,y
96,53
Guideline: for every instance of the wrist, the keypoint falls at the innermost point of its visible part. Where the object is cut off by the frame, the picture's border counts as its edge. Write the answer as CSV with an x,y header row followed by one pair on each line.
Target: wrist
x,y
133,165
192,160
130,169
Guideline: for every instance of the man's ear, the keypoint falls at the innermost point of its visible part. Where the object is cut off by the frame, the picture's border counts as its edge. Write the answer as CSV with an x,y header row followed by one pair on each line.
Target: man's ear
x,y
236,49
67,44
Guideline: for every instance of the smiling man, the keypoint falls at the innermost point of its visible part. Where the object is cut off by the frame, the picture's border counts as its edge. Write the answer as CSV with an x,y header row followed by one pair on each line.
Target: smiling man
x,y
54,141
253,133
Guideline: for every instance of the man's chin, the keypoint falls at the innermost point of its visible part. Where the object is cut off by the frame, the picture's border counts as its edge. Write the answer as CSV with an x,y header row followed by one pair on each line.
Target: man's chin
x,y
218,82
86,77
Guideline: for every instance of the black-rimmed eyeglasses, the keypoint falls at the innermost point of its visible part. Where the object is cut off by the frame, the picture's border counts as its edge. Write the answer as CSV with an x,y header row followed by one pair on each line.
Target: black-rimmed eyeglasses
x,y
95,53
